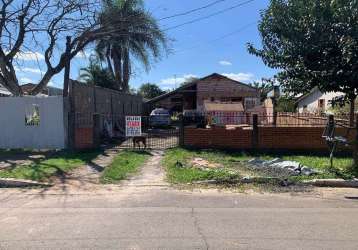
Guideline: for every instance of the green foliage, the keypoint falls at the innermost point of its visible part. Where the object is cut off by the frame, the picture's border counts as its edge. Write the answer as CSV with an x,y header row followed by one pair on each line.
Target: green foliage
x,y
285,103
312,43
236,161
94,74
189,80
125,163
150,90
140,38
186,174
264,87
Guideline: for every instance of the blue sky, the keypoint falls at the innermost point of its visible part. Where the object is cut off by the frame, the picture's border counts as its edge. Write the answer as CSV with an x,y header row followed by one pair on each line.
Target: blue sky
x,y
216,44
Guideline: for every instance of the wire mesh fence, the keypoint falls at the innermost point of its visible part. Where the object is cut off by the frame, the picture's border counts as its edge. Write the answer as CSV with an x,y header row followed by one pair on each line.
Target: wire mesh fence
x,y
203,120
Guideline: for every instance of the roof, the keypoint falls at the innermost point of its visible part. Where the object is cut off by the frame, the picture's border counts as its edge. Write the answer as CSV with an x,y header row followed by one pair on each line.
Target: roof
x,y
195,82
224,107
4,91
302,97
26,88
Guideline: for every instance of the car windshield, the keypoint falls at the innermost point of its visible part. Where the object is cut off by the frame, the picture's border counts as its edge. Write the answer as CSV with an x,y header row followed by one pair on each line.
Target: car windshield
x,y
160,112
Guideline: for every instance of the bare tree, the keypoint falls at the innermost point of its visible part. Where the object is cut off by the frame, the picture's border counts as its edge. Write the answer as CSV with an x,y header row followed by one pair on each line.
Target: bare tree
x,y
42,26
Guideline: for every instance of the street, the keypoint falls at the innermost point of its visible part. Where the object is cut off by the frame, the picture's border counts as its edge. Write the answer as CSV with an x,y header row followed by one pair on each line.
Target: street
x,y
160,217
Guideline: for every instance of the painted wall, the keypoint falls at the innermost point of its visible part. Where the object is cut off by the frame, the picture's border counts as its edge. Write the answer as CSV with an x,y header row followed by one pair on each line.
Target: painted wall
x,y
15,132
312,101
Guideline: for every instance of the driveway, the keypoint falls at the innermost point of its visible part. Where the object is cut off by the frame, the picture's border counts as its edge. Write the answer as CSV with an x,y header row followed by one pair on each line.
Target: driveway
x,y
146,213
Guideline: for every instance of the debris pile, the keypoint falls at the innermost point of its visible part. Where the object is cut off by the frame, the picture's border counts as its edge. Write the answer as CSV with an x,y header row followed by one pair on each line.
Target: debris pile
x,y
278,166
203,164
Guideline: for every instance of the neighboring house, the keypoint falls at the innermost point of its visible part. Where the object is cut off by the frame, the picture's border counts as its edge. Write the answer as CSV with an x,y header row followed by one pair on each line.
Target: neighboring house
x,y
215,88
47,91
26,88
4,92
316,101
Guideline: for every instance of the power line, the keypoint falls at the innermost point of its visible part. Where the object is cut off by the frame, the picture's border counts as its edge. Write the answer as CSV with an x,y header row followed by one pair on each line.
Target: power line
x,y
208,16
219,38
192,11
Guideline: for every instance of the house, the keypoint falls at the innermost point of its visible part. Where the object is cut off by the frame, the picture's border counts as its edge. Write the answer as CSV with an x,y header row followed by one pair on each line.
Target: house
x,y
26,88
47,91
222,92
315,101
4,92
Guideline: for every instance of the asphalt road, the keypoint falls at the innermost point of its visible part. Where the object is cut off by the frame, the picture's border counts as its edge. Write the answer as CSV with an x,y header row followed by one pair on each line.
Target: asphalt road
x,y
159,217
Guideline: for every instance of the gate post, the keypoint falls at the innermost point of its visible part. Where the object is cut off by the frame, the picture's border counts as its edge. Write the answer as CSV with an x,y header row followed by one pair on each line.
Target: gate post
x,y
255,132
181,131
96,130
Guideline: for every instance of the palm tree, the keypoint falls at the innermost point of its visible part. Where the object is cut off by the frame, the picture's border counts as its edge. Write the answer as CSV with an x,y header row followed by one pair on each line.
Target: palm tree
x,y
94,74
136,35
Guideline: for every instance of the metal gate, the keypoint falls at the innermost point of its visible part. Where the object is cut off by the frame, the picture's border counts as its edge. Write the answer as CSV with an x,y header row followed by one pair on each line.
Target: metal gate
x,y
152,136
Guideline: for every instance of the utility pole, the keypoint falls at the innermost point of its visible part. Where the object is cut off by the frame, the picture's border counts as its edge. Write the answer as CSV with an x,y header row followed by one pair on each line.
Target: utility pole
x,y
175,77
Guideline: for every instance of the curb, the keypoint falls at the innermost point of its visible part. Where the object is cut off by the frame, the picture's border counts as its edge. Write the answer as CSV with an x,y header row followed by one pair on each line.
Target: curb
x,y
19,183
340,183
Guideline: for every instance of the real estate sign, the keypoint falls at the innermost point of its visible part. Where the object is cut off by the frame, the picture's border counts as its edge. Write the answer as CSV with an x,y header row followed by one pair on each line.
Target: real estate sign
x,y
133,126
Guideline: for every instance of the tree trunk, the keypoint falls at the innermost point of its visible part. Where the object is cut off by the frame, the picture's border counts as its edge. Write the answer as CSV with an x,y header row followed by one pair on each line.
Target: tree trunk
x,y
43,83
66,80
117,63
126,71
109,63
351,111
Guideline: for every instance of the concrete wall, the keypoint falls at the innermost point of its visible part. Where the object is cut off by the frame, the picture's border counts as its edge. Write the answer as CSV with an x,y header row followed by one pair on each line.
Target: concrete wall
x,y
49,133
312,100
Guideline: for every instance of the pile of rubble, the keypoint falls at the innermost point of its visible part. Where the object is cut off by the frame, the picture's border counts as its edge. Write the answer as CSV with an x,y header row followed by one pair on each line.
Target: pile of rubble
x,y
279,167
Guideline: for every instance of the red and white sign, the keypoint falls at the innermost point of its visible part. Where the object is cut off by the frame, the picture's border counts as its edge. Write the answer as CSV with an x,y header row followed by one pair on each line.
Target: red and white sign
x,y
133,126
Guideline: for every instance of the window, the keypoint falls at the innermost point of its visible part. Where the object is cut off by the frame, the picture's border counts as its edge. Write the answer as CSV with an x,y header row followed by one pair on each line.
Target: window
x,y
304,108
236,99
250,103
321,104
225,99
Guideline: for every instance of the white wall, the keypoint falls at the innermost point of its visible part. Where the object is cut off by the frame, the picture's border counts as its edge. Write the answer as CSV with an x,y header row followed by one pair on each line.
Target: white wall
x,y
49,134
311,101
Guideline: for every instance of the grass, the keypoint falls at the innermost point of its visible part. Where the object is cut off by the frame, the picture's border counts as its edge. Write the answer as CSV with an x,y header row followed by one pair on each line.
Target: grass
x,y
236,161
125,163
43,169
188,175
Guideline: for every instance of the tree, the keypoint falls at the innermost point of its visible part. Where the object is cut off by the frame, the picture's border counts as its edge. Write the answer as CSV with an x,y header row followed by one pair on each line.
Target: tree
x,y
94,74
313,44
264,88
189,80
285,103
150,90
31,28
141,38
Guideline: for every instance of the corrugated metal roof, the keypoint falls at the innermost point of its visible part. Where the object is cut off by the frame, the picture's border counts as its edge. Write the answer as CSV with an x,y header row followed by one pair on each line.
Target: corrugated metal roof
x,y
4,91
227,107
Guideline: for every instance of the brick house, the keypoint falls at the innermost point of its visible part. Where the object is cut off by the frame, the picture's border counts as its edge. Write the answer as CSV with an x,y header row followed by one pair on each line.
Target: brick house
x,y
214,88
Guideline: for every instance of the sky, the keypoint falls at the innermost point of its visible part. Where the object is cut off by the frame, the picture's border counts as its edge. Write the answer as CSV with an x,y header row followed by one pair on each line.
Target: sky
x,y
216,44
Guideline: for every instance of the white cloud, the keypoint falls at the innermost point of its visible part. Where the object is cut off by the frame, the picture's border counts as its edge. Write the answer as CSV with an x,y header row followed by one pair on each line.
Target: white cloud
x,y
25,80
171,82
83,55
225,63
241,77
29,70
30,56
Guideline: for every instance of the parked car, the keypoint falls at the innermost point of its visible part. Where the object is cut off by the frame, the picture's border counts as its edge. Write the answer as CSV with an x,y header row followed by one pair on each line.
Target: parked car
x,y
159,117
